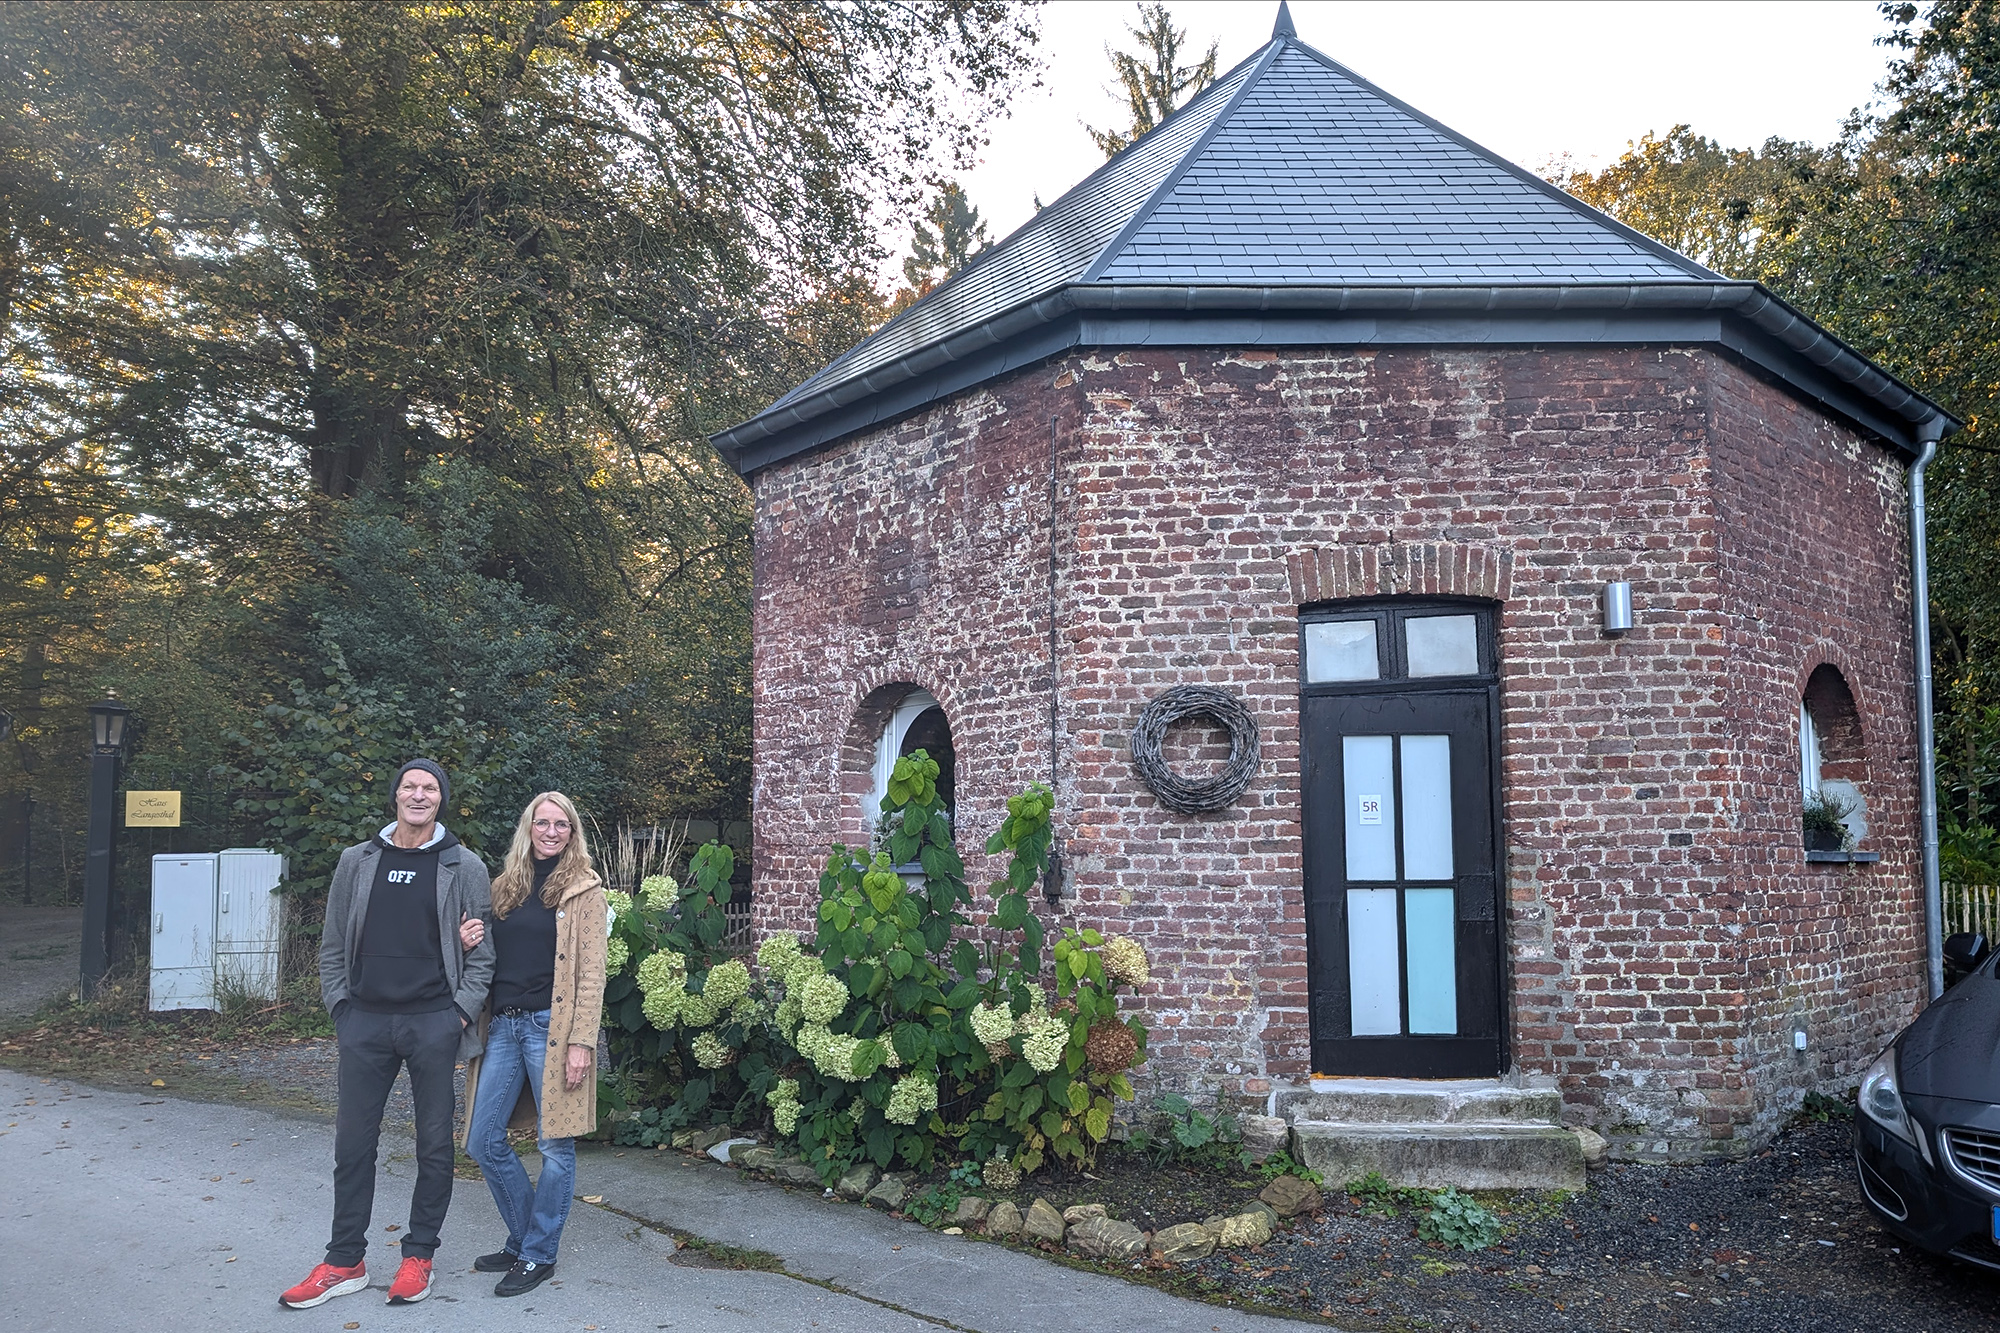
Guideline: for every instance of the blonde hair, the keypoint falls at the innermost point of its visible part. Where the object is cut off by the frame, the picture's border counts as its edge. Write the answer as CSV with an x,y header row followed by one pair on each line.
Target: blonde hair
x,y
517,874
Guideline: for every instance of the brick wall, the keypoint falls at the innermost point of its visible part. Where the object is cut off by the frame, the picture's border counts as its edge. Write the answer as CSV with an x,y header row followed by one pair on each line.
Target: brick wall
x,y
1662,924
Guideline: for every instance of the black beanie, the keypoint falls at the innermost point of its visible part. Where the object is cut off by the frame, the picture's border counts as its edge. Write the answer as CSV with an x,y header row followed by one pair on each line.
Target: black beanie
x,y
431,767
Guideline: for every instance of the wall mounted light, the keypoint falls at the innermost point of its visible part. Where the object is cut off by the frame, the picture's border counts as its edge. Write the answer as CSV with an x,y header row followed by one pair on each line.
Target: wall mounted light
x,y
1617,607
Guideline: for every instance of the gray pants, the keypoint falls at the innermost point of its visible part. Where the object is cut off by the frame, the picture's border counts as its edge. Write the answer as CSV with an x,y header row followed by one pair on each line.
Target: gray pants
x,y
373,1047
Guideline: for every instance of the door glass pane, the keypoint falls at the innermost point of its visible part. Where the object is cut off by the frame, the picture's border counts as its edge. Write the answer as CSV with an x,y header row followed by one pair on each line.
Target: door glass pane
x,y
1368,776
1341,650
1426,807
1433,959
1376,1001
1442,645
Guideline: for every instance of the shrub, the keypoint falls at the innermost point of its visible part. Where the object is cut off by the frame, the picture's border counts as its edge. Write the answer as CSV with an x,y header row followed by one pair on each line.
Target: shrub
x,y
888,1035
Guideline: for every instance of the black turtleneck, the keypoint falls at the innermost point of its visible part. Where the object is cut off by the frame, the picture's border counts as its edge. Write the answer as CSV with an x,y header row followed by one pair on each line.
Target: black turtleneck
x,y
524,950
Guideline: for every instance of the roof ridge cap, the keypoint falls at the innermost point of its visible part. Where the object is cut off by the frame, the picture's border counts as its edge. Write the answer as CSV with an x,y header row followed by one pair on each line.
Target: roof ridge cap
x,y
1194,150
1529,178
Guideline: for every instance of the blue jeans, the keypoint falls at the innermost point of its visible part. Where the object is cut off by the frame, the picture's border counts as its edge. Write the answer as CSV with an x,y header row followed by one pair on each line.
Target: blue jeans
x,y
515,1049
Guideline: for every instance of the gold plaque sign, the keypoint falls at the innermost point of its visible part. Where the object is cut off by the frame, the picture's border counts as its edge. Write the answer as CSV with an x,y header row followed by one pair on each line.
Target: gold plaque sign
x,y
152,809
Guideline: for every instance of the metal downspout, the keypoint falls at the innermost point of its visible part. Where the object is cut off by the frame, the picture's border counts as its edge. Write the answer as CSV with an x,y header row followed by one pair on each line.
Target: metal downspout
x,y
1930,432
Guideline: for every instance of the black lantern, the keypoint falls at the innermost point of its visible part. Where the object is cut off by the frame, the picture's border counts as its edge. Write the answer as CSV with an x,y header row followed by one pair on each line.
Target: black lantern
x,y
107,724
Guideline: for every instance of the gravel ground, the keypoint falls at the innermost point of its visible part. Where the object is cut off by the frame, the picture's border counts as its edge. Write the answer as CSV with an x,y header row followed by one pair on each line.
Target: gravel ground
x,y
302,1075
1780,1243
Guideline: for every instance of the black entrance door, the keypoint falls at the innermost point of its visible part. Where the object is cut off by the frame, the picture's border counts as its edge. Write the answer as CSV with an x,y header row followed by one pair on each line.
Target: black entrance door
x,y
1402,890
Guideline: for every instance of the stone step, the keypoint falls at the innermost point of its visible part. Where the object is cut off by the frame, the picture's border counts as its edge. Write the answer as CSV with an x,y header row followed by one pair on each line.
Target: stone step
x,y
1432,1154
1364,1101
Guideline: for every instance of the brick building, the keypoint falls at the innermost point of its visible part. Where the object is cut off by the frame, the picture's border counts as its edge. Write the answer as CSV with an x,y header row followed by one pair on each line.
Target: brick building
x,y
1308,398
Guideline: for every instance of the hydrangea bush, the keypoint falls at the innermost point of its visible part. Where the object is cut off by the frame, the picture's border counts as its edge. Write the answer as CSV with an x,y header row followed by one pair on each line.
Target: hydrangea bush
x,y
891,1035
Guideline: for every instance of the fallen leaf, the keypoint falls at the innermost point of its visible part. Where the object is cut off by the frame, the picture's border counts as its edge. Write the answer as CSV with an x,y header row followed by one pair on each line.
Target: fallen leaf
x,y
208,1198
593,1198
247,1180
230,1260
352,1324
393,1226
159,1083
213,1179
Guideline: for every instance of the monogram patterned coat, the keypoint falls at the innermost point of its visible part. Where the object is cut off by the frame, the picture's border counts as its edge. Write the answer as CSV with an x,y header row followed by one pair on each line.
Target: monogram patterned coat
x,y
576,1009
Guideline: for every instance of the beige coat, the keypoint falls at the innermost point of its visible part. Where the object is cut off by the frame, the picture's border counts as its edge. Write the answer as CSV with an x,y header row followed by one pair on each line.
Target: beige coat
x,y
576,1008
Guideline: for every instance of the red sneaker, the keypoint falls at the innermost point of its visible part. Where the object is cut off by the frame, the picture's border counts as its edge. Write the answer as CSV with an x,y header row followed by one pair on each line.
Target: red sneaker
x,y
325,1283
412,1284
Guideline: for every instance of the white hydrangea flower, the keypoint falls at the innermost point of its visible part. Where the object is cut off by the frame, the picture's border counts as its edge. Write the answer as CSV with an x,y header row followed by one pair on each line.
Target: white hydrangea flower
x,y
662,1007
788,1016
836,1057
1125,960
811,1039
822,998
779,953
710,1052
784,1103
728,981
659,892
663,970
619,902
1044,1038
616,955
696,1011
911,1097
744,1011
992,1026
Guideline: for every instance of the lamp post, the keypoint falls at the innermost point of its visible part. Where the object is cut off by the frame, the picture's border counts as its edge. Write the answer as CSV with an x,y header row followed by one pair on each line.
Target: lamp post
x,y
107,747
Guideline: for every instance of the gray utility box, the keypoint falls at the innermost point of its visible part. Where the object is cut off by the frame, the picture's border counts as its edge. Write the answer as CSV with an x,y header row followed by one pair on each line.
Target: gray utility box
x,y
217,926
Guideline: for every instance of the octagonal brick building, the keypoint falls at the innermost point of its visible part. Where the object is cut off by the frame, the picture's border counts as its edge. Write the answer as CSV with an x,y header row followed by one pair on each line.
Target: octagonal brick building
x,y
1306,397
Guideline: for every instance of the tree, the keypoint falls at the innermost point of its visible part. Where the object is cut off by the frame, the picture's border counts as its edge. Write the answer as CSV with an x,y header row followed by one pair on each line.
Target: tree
x,y
950,233
265,268
1153,80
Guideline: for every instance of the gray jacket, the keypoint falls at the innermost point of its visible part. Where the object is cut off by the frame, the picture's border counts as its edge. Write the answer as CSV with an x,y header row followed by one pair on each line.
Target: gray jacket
x,y
463,889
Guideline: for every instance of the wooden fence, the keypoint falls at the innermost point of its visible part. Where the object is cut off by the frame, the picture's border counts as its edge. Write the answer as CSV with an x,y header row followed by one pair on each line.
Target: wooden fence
x,y
1970,907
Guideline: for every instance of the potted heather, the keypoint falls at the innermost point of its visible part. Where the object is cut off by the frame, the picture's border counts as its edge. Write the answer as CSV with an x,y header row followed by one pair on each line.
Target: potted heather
x,y
1825,819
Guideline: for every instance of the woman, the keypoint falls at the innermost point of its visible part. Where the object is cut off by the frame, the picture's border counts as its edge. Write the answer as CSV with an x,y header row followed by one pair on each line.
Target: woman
x,y
540,1026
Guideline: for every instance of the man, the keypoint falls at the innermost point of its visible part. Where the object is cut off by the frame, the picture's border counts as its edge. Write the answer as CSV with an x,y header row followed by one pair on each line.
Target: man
x,y
402,991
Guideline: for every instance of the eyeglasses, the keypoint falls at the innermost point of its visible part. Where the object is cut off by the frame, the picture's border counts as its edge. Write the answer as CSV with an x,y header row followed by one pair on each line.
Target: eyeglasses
x,y
551,826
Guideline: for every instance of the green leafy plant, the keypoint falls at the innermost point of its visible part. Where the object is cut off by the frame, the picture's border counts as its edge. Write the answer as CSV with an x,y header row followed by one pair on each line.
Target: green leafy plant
x,y
1827,814
649,1128
940,1200
1177,1132
1374,1194
1818,1108
1282,1163
1460,1222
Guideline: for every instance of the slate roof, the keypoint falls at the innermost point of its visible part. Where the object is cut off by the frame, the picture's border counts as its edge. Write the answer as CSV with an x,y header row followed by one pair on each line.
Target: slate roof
x,y
1291,184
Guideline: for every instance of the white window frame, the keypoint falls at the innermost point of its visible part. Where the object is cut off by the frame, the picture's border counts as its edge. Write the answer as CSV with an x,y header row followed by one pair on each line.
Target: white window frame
x,y
1808,752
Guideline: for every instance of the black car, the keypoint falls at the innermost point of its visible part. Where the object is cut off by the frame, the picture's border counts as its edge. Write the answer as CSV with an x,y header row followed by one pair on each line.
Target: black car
x,y
1927,1139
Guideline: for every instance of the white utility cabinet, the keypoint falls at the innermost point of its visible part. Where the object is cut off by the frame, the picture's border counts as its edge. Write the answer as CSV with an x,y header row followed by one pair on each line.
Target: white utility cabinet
x,y
184,931
218,926
248,921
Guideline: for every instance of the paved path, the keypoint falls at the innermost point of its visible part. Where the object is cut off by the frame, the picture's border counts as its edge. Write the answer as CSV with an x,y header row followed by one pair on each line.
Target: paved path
x,y
40,950
117,1209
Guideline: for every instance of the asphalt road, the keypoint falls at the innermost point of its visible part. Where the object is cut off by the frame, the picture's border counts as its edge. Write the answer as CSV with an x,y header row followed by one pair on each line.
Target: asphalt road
x,y
39,952
123,1211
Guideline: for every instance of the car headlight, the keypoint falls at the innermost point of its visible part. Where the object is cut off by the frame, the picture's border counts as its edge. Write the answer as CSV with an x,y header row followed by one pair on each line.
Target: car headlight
x,y
1882,1101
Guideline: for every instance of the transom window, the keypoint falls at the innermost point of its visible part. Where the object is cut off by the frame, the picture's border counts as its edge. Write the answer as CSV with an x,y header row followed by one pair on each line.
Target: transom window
x,y
1430,641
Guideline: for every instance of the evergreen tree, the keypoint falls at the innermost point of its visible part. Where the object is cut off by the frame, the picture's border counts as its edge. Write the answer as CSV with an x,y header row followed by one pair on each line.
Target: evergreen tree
x,y
946,240
1153,79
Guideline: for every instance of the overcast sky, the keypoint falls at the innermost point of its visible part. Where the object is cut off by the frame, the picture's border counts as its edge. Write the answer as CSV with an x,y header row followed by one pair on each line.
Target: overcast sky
x,y
1530,81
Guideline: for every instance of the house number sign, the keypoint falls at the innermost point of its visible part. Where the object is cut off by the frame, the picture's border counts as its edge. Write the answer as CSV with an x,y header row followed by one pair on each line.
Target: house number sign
x,y
1371,809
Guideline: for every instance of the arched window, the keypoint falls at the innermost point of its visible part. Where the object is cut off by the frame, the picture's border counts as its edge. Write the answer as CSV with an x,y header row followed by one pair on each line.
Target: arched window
x,y
917,722
1833,763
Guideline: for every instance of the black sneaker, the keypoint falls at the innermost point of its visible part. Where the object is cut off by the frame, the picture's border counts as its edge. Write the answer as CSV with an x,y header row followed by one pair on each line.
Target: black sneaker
x,y
497,1262
523,1277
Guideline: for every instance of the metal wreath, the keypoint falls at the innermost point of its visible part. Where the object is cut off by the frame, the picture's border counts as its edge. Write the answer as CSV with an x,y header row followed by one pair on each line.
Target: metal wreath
x,y
1177,704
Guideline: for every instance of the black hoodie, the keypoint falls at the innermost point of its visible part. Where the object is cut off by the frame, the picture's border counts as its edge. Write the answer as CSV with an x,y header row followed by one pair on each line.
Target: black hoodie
x,y
400,967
